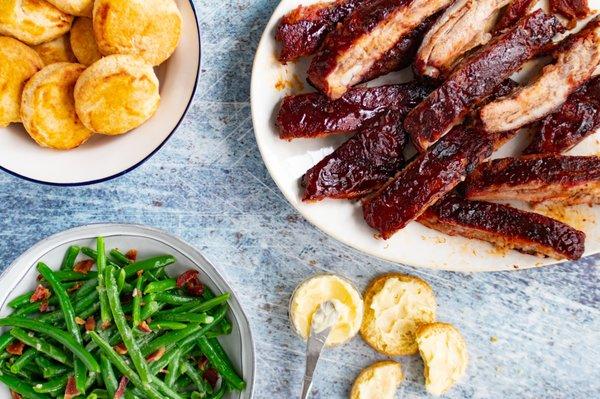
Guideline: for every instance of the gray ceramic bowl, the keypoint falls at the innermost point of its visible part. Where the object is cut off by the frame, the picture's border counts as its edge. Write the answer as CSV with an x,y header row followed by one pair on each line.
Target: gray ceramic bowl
x,y
20,277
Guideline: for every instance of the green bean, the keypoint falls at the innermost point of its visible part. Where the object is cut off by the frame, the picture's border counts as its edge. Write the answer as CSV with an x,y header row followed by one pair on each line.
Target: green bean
x,y
105,314
149,264
108,376
23,360
171,338
69,315
200,333
34,307
201,384
123,368
202,318
5,340
121,280
18,386
158,365
93,254
21,300
98,394
56,334
70,276
198,306
150,309
137,302
219,394
161,286
41,345
164,388
183,382
53,386
173,368
70,256
49,369
81,306
223,366
166,325
220,351
119,258
126,334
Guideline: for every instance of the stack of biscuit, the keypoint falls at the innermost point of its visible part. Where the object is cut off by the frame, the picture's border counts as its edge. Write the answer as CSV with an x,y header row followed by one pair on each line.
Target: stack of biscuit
x,y
73,68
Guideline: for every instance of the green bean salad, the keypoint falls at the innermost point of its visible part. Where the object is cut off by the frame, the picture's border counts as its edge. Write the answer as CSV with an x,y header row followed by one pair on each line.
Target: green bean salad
x,y
125,330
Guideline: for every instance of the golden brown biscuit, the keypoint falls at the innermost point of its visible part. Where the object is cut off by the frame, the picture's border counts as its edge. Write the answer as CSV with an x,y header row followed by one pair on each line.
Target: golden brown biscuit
x,y
378,381
48,107
33,21
18,62
444,353
83,42
147,28
80,8
57,50
395,305
117,94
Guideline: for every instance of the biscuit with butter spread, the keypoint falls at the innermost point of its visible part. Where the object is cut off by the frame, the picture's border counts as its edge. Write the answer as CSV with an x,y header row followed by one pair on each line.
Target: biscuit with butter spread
x,y
444,353
378,381
18,63
146,28
117,94
80,8
57,50
48,109
83,41
33,21
395,305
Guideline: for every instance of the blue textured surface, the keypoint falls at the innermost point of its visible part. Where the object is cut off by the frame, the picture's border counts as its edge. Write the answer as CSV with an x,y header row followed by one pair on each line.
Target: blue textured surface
x,y
531,334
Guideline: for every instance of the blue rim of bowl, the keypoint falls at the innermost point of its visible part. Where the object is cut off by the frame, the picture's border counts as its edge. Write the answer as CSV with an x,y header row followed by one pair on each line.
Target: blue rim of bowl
x,y
131,168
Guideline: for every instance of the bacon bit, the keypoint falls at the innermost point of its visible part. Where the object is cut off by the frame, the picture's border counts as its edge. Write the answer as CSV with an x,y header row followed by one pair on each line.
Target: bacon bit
x,y
121,390
212,377
132,255
71,390
15,395
140,273
41,293
105,325
39,277
156,355
191,281
79,321
90,324
121,349
83,266
202,362
16,348
76,287
144,327
44,307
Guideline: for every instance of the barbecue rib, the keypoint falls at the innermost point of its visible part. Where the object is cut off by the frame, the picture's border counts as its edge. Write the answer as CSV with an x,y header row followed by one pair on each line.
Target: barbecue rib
x,y
361,164
576,59
478,76
302,30
516,10
365,37
466,24
572,9
313,114
567,180
578,117
505,227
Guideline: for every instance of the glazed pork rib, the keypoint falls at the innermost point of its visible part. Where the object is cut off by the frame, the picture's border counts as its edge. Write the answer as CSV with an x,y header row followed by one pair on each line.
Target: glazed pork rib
x,y
516,10
505,227
361,164
478,76
366,36
576,119
302,31
572,9
576,59
314,115
466,24
568,180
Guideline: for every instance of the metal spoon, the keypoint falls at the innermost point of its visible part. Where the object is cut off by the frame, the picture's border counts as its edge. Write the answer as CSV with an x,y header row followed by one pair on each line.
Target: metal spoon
x,y
322,322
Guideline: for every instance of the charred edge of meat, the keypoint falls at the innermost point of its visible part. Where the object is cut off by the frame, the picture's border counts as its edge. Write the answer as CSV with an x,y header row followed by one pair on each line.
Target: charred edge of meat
x,y
537,178
314,114
516,10
302,31
571,9
361,164
477,77
505,227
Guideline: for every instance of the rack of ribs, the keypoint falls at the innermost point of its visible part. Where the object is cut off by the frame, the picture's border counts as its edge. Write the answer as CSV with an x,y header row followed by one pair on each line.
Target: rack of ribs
x,y
464,25
505,227
478,76
516,10
568,180
302,31
314,114
361,164
366,36
576,119
571,9
576,59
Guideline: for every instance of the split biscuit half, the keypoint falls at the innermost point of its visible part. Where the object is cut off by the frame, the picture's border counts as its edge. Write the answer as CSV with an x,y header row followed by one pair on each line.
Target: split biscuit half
x,y
378,381
48,107
18,63
117,94
150,29
57,50
83,41
395,305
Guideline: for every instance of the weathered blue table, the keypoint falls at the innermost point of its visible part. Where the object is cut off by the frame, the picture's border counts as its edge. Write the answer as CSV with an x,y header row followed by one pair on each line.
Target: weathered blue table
x,y
531,334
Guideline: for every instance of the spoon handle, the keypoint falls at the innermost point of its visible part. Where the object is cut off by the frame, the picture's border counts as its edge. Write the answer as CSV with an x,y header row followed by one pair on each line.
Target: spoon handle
x,y
314,346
